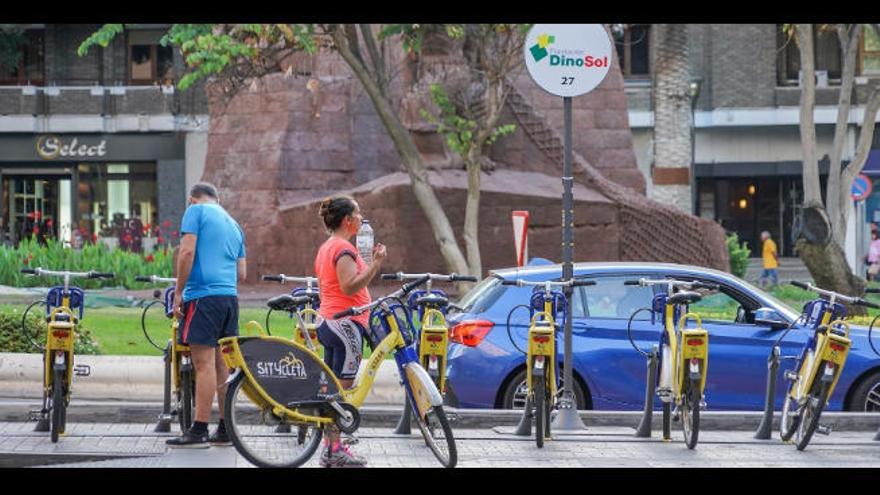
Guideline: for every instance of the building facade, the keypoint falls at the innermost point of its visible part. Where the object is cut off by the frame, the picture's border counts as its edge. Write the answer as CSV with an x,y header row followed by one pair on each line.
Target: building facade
x,y
91,144
746,149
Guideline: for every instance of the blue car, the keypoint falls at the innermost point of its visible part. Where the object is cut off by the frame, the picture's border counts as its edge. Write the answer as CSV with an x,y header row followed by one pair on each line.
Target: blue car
x,y
485,369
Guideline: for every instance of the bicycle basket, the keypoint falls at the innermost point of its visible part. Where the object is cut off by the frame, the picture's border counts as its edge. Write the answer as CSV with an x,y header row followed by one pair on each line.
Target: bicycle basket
x,y
379,329
415,295
557,301
169,301
304,291
56,294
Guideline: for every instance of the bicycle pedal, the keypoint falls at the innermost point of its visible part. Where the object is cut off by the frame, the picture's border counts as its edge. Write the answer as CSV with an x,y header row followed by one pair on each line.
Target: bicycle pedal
x,y
823,429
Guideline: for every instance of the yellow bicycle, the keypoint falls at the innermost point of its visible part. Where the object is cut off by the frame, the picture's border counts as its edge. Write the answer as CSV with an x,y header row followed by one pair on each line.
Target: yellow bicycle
x,y
684,355
308,302
180,374
819,365
542,372
61,327
277,381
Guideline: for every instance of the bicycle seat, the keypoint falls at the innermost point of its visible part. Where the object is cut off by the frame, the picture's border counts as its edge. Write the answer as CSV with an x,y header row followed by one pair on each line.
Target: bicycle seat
x,y
684,297
433,299
286,302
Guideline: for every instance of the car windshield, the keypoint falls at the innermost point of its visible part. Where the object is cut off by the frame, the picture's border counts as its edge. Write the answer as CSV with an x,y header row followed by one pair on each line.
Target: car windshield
x,y
483,288
791,313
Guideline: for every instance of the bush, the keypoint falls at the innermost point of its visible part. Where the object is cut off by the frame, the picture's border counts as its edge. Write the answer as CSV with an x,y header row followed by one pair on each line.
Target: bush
x,y
54,256
13,340
739,255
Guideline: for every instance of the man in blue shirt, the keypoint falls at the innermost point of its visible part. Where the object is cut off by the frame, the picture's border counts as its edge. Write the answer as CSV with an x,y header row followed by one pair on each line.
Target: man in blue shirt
x,y
210,262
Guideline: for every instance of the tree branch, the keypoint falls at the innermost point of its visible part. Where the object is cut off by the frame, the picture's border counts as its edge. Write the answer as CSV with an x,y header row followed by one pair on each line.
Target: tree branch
x,y
376,58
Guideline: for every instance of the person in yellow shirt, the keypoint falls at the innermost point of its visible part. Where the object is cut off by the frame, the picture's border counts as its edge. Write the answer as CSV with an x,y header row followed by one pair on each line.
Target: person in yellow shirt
x,y
771,261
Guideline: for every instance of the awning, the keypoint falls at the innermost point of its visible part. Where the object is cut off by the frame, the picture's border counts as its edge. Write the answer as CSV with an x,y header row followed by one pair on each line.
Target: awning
x,y
872,164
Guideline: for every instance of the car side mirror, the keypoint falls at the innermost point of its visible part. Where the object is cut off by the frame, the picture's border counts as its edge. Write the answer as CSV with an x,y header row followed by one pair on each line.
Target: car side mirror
x,y
769,317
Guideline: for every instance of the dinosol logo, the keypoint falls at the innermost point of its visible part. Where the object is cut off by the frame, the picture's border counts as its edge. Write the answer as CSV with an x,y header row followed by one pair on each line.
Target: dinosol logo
x,y
287,367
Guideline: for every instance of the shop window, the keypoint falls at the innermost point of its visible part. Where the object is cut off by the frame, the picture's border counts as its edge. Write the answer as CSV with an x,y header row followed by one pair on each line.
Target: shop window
x,y
632,51
826,51
22,59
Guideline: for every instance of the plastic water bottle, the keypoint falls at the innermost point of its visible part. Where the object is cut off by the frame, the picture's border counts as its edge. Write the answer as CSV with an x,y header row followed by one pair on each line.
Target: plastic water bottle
x,y
365,241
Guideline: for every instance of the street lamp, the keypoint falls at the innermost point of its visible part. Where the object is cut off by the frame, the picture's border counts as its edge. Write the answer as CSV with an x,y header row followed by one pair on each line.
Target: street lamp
x,y
694,93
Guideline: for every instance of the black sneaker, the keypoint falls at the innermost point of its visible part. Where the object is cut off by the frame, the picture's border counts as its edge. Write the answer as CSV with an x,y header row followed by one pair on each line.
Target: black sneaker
x,y
189,440
219,438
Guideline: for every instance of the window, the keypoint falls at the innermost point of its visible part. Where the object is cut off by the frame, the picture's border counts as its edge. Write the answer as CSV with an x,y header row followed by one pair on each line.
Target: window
x,y
632,51
869,53
149,62
22,57
609,298
826,52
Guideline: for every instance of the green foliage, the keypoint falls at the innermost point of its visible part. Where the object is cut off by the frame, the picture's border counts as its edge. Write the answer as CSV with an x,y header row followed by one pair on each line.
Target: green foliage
x,y
54,256
12,339
410,34
102,37
11,39
739,255
459,132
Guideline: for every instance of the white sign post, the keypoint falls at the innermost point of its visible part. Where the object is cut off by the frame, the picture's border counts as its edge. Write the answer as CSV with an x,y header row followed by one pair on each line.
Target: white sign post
x,y
568,60
521,236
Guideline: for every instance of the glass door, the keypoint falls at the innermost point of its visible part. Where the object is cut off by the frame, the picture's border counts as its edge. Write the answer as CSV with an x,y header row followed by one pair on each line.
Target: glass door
x,y
32,207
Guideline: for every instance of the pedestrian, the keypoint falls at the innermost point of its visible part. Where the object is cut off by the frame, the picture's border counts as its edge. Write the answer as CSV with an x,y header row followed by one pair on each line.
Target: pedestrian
x,y
770,261
874,256
343,278
210,262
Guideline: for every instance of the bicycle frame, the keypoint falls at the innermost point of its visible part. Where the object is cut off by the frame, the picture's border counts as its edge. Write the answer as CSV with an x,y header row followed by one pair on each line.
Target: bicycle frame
x,y
541,356
433,344
59,345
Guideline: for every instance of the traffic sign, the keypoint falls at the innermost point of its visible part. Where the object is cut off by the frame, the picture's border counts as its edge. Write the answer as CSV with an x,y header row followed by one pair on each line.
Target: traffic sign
x,y
861,187
568,59
521,236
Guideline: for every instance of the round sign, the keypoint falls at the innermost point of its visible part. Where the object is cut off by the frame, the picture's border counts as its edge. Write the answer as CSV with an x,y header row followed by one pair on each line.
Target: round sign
x,y
861,187
568,59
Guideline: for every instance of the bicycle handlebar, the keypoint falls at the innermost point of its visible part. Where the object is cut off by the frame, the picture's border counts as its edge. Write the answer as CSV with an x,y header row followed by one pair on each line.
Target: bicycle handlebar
x,y
155,279
573,283
856,301
406,289
282,278
54,273
678,284
452,277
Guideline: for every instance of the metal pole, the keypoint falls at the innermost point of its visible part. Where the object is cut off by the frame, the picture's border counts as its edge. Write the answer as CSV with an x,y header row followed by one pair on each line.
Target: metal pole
x,y
164,423
644,428
568,418
403,425
766,425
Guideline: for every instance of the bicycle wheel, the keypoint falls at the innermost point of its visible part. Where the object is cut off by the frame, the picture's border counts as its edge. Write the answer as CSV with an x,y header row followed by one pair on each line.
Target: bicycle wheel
x,y
438,435
253,434
810,414
185,400
690,413
32,333
788,421
56,426
540,409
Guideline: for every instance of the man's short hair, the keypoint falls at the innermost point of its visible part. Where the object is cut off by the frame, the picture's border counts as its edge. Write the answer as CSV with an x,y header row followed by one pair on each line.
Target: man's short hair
x,y
766,233
202,189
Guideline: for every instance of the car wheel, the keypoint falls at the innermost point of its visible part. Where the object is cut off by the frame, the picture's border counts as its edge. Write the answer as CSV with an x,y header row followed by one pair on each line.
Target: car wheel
x,y
516,391
866,397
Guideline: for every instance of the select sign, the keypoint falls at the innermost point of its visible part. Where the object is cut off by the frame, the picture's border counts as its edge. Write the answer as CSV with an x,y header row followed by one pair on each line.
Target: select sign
x,y
568,59
52,147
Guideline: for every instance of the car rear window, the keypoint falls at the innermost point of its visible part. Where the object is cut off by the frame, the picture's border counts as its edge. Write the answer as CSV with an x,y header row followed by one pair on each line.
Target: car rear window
x,y
482,296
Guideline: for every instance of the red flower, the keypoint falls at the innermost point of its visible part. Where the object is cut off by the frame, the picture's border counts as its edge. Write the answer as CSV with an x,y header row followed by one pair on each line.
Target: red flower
x,y
49,223
174,233
31,215
127,238
149,258
160,240
166,223
36,230
94,237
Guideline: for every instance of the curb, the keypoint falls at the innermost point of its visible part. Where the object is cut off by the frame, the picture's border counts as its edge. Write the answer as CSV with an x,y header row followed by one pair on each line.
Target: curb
x,y
84,411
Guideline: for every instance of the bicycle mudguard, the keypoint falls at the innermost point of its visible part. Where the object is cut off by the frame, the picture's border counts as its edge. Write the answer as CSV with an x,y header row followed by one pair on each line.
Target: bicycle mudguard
x,y
285,371
424,393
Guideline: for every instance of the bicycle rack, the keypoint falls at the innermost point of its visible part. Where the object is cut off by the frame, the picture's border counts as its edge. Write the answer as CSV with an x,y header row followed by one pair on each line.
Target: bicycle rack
x,y
404,424
524,428
164,423
763,432
644,428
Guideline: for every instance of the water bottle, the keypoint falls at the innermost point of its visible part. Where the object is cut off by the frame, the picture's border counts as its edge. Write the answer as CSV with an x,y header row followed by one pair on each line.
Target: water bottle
x,y
365,241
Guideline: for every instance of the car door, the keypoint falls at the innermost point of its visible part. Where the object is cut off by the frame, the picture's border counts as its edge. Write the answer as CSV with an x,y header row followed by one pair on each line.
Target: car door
x,y
738,349
616,372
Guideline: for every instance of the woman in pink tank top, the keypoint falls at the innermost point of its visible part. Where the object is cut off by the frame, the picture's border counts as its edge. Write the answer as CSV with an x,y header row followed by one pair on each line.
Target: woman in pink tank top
x,y
343,277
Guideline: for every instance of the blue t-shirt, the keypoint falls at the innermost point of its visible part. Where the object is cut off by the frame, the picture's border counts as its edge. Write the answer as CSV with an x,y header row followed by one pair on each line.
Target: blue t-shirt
x,y
219,245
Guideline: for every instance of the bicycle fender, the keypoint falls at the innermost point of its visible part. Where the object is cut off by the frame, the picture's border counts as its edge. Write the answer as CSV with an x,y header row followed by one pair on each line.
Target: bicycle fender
x,y
233,376
425,393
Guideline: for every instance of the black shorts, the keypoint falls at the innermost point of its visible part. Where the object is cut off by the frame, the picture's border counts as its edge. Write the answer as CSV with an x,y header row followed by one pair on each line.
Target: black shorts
x,y
208,319
343,341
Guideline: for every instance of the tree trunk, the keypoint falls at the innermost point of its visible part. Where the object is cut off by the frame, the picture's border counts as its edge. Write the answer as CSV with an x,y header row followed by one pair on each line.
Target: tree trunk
x,y
672,117
823,257
411,159
836,197
472,214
